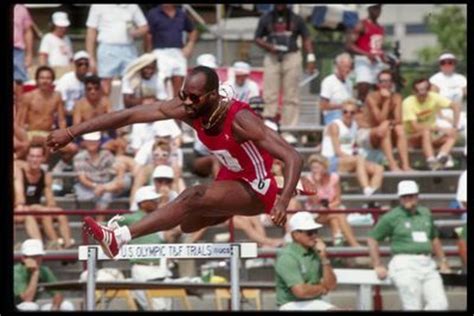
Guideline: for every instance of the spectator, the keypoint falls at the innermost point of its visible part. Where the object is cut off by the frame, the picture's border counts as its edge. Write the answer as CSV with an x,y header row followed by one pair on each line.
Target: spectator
x,y
207,60
448,83
461,196
165,38
42,108
62,186
32,185
165,130
56,49
365,41
94,102
336,88
339,147
142,82
258,105
277,33
115,27
244,87
303,271
419,116
413,236
161,157
27,275
381,120
20,138
31,225
149,269
100,177
22,46
71,85
328,196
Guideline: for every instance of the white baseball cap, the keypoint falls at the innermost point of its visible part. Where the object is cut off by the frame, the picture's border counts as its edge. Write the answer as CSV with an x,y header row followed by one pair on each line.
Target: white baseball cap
x,y
447,56
32,247
94,136
207,60
146,193
407,187
82,54
162,131
303,221
241,68
163,171
60,19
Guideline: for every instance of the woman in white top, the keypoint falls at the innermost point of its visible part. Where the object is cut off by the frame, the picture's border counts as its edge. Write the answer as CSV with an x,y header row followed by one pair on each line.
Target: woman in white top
x,y
56,49
339,147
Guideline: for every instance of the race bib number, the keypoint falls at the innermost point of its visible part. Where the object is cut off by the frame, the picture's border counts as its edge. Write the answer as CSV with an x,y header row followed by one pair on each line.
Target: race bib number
x,y
227,160
260,185
419,236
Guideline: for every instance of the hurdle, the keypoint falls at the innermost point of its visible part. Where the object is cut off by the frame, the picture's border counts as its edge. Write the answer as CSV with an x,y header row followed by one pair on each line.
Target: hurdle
x,y
232,251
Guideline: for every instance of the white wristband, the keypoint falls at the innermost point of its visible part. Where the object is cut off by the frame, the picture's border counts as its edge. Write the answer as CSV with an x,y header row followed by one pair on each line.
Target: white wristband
x,y
310,58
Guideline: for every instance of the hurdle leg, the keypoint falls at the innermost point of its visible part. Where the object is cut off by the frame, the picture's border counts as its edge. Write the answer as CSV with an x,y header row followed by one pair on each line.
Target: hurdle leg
x,y
91,267
234,277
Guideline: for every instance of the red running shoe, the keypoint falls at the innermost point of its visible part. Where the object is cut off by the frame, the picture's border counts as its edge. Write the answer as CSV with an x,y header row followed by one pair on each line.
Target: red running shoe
x,y
104,235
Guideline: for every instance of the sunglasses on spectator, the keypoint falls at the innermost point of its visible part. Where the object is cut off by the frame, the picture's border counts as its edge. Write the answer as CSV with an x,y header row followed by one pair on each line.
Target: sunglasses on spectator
x,y
163,180
194,98
349,112
409,196
92,88
161,155
84,63
447,62
309,233
385,80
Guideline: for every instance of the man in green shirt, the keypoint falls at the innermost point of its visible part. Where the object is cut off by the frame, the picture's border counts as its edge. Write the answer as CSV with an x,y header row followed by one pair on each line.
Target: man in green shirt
x,y
413,237
303,271
27,275
149,269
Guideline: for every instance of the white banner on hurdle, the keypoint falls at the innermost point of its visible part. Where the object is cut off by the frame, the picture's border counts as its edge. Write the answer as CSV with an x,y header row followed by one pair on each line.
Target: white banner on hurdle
x,y
183,251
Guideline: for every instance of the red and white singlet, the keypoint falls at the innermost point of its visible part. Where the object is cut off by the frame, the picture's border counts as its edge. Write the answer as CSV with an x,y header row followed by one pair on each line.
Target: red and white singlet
x,y
244,161
371,40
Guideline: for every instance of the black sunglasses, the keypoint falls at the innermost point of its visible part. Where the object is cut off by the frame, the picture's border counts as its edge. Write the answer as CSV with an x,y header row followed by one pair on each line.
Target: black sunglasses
x,y
309,232
194,98
349,112
163,180
447,62
85,63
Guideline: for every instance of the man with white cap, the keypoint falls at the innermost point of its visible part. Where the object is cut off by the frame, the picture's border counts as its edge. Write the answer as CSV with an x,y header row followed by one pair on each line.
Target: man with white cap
x,y
244,88
147,269
27,275
452,85
413,237
100,176
71,84
56,49
303,271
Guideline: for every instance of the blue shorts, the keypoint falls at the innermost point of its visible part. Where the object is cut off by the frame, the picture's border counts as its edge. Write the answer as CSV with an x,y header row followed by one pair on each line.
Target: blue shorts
x,y
333,164
19,70
330,116
112,59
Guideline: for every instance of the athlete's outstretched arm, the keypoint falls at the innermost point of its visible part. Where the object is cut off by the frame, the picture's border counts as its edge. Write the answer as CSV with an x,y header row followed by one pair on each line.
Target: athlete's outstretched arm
x,y
171,109
247,126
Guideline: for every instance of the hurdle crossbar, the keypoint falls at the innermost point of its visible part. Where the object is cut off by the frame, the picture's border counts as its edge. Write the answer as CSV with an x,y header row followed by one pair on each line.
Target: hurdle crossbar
x,y
233,251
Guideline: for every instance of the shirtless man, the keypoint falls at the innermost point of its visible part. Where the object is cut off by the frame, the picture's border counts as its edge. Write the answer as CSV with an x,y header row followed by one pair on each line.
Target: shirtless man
x,y
239,139
380,121
94,103
40,107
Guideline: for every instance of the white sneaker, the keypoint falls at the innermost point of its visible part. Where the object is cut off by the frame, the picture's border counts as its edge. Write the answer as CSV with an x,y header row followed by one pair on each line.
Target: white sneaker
x,y
368,191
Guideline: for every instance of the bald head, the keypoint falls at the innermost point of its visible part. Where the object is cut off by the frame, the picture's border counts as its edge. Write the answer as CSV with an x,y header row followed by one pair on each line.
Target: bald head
x,y
205,76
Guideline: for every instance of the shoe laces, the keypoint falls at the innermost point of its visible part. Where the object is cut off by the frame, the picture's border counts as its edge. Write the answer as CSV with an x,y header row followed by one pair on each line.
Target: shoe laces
x,y
112,223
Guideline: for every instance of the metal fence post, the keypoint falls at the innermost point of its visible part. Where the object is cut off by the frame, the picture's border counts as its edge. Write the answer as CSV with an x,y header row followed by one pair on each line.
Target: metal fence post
x,y
91,267
234,277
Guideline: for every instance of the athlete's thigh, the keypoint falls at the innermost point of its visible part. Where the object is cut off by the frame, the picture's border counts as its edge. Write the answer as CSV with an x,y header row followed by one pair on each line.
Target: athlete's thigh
x,y
228,198
195,221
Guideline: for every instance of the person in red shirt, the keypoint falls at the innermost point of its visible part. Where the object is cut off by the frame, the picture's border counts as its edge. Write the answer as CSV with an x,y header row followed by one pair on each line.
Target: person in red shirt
x,y
233,133
365,40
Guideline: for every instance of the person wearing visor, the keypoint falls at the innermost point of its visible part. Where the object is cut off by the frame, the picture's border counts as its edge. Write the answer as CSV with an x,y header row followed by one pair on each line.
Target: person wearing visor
x,y
303,270
413,237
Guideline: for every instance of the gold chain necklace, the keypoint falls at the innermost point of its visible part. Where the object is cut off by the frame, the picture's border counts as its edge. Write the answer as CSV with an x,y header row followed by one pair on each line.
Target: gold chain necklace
x,y
216,116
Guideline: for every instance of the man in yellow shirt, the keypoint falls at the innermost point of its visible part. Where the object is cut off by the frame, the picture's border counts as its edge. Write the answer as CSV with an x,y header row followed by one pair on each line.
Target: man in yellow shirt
x,y
419,117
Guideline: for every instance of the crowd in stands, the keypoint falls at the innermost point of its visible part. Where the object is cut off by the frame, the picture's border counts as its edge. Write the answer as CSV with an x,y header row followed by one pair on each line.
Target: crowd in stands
x,y
363,126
